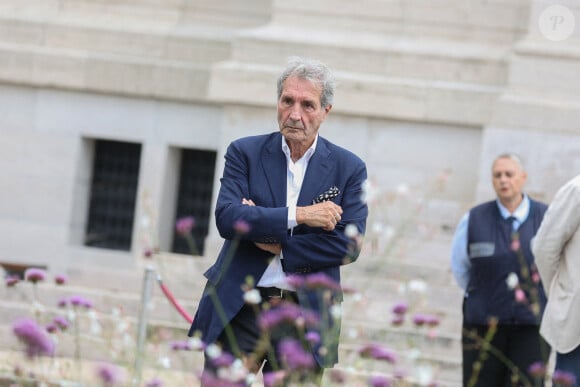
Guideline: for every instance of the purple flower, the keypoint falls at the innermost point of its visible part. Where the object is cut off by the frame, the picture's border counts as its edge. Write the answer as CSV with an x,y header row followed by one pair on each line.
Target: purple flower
x,y
184,225
398,319
419,319
296,281
223,360
537,370
375,351
60,279
34,337
274,379
337,376
109,374
400,308
241,227
61,322
320,280
294,356
180,346
51,328
432,320
78,300
12,281
379,381
313,337
286,313
155,382
63,302
563,378
34,275
426,319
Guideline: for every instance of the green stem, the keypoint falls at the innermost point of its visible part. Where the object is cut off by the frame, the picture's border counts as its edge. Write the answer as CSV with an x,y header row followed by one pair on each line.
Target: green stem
x,y
486,346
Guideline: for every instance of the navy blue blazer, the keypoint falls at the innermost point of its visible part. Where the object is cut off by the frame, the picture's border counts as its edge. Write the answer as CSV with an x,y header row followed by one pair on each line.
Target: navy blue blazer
x,y
255,168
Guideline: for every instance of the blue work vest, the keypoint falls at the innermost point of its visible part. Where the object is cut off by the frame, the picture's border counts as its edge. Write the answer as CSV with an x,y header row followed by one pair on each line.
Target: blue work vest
x,y
490,250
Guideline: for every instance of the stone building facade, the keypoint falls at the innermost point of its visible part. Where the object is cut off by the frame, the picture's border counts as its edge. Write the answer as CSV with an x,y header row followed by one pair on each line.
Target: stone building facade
x,y
425,87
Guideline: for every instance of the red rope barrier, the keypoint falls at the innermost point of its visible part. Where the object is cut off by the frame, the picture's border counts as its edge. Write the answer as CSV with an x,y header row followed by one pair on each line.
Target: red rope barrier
x,y
173,301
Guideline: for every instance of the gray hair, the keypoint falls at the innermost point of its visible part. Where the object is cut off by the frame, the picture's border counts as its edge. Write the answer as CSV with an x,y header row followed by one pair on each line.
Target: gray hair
x,y
512,156
311,70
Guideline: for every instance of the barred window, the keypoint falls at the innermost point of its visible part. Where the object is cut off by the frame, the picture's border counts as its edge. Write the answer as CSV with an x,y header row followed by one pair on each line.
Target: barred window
x,y
113,195
196,176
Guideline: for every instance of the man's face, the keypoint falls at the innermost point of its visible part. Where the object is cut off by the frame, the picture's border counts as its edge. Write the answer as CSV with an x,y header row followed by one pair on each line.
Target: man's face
x,y
299,111
508,179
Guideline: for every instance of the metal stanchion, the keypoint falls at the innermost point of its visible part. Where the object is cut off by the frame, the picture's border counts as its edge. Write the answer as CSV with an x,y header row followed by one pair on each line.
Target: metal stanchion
x,y
143,321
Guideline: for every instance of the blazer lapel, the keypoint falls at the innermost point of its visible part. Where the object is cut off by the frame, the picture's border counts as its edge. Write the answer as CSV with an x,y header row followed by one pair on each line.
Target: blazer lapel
x,y
316,179
274,164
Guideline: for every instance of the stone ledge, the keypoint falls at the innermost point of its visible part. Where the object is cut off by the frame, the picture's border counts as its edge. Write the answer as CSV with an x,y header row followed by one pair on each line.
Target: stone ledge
x,y
364,95
366,53
102,73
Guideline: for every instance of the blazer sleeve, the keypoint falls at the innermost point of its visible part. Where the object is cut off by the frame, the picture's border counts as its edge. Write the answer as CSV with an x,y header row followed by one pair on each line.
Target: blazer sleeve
x,y
261,224
560,222
310,250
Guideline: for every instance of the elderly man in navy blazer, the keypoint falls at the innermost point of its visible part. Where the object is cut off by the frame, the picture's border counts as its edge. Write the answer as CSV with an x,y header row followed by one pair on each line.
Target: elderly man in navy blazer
x,y
285,202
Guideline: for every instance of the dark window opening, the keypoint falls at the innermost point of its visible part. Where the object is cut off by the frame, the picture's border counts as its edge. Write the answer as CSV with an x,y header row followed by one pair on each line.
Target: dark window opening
x,y
196,176
113,195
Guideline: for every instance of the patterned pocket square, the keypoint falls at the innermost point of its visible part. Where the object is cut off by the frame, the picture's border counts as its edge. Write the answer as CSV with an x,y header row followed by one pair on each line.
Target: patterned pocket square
x,y
327,195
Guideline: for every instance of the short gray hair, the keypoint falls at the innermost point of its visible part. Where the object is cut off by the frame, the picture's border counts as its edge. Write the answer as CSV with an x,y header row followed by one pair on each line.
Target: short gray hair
x,y
311,70
512,156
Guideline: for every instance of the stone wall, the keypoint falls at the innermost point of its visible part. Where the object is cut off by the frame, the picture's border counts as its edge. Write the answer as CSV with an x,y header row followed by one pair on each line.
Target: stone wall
x,y
424,88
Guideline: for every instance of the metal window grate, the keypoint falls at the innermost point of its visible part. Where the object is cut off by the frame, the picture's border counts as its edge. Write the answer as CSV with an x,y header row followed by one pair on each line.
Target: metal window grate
x,y
113,195
196,178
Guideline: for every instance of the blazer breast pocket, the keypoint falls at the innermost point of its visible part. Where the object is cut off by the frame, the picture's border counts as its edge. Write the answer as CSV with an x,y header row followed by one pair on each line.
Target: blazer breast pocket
x,y
481,249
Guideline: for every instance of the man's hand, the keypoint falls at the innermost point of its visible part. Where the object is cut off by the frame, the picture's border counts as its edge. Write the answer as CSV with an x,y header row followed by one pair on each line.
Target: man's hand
x,y
274,248
325,215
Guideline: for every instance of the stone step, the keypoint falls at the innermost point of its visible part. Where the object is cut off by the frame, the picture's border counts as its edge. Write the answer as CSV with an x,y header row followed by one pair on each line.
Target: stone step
x,y
366,94
395,57
228,13
449,19
412,363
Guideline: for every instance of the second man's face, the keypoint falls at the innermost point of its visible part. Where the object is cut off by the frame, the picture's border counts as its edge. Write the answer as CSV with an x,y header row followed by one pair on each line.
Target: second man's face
x,y
299,111
508,179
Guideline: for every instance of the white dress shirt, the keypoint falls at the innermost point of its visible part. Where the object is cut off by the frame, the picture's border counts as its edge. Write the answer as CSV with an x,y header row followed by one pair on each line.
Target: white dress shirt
x,y
460,263
295,171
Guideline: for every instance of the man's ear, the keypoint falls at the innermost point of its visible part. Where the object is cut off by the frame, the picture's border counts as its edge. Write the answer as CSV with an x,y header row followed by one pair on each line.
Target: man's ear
x,y
328,108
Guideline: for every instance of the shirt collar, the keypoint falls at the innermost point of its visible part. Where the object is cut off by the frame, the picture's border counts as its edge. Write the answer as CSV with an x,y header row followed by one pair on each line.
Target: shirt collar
x,y
307,155
521,213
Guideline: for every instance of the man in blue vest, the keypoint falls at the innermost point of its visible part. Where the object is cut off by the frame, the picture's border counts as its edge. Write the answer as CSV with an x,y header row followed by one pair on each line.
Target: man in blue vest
x,y
492,262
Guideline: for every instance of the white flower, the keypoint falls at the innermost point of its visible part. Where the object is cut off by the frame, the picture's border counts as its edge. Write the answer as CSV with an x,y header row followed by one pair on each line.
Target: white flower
x,y
351,231
164,362
195,343
368,191
352,333
145,221
512,280
127,340
402,189
38,308
377,227
424,375
335,311
418,286
252,297
95,328
413,354
250,379
389,232
213,351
